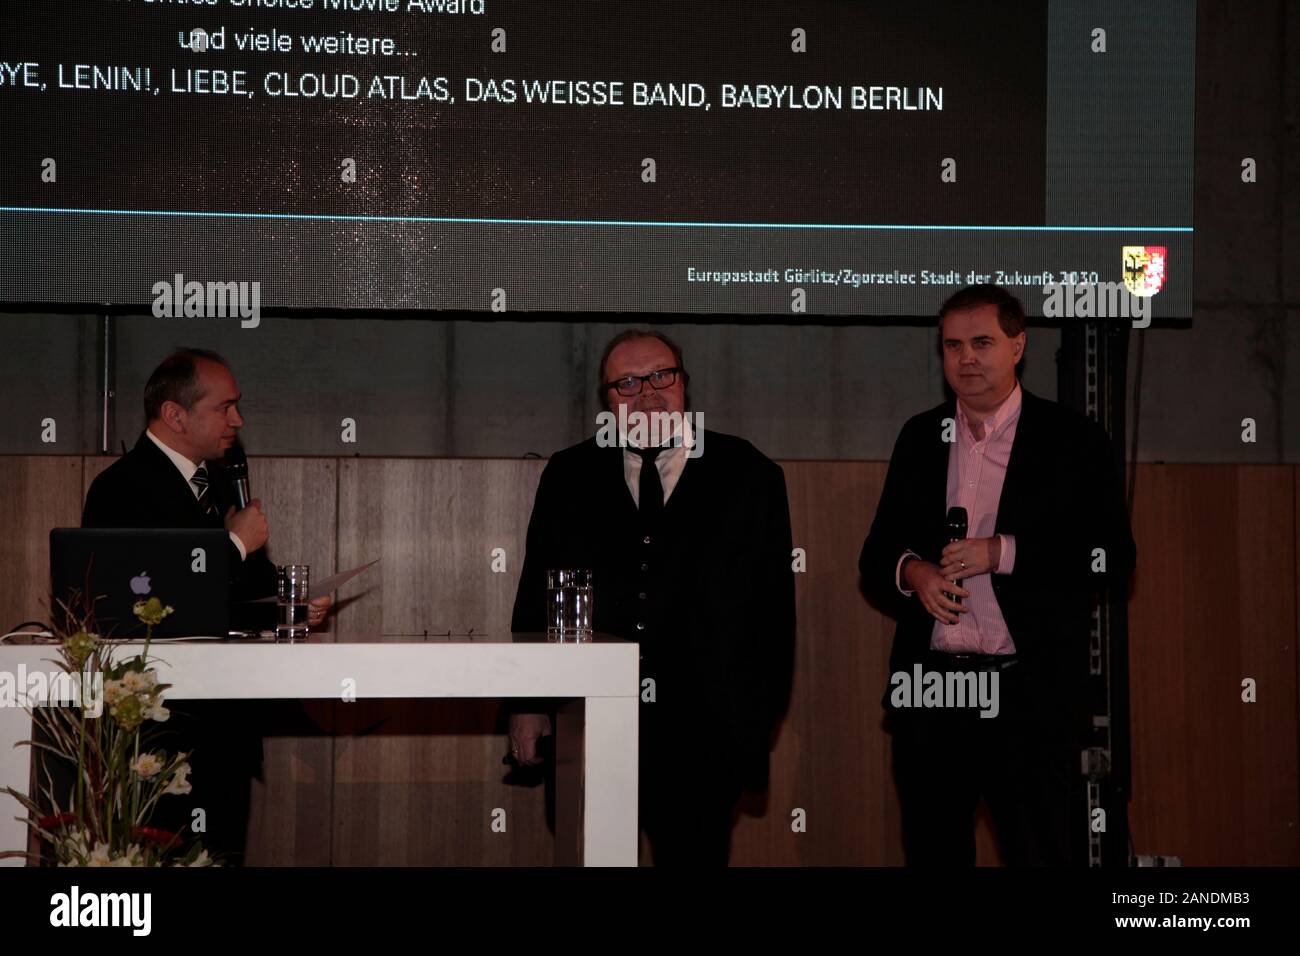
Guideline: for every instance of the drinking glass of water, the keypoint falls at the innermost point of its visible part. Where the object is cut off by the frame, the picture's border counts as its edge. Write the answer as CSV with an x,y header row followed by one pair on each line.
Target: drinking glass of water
x,y
568,605
292,600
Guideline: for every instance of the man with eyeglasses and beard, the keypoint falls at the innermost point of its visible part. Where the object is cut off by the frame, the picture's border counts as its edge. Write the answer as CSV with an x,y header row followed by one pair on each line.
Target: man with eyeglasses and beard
x,y
687,533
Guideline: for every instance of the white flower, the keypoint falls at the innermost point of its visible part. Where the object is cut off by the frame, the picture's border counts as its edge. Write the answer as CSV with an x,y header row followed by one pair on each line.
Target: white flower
x,y
99,855
179,784
132,857
156,711
201,860
147,765
78,841
74,848
114,690
133,682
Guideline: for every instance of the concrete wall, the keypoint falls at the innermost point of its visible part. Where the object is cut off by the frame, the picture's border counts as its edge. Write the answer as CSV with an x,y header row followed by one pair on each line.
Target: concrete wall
x,y
480,388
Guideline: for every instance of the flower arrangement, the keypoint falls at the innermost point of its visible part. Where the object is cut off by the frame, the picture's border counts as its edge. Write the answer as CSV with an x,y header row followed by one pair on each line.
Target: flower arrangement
x,y
108,736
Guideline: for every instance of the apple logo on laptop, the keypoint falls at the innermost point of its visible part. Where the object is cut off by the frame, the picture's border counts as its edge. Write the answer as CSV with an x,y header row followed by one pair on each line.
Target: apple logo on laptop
x,y
140,583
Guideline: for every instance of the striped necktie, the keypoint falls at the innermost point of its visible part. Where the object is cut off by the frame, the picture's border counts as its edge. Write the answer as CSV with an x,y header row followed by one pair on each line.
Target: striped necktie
x,y
200,481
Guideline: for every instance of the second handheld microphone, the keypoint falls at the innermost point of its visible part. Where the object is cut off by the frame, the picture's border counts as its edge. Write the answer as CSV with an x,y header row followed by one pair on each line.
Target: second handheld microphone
x,y
956,527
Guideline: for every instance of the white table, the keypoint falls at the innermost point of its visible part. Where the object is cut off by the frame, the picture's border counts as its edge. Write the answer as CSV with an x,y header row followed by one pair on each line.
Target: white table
x,y
596,736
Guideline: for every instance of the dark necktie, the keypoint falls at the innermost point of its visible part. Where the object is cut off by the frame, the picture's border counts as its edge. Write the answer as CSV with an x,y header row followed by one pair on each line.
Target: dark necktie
x,y
651,490
200,481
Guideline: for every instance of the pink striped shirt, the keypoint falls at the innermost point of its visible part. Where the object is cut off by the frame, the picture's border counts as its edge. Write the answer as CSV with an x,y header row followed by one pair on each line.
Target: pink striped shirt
x,y
976,473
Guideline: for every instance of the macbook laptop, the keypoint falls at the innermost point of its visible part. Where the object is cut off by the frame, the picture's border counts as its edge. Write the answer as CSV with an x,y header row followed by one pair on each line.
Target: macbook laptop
x,y
187,569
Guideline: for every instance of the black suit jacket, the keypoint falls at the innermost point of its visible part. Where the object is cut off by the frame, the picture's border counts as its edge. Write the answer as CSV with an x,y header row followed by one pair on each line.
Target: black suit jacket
x,y
1062,498
144,489
716,598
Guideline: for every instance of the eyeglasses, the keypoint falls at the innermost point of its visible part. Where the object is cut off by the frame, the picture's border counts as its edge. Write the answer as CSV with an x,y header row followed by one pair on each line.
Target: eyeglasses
x,y
634,384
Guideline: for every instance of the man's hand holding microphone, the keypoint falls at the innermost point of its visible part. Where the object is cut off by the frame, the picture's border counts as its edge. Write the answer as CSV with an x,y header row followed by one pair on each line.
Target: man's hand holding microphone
x,y
249,525
936,584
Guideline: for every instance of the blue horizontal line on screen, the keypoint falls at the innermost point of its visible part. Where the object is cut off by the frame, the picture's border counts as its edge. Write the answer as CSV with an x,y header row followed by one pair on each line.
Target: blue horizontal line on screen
x,y
594,222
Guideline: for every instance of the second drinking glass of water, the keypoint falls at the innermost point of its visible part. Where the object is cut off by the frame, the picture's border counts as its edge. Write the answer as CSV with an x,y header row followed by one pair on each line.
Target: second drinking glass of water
x,y
291,625
568,605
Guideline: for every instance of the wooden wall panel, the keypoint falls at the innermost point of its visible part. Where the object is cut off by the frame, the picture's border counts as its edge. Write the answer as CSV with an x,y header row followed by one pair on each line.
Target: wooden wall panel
x,y
1214,602
90,471
405,782
417,782
290,816
434,523
832,755
39,493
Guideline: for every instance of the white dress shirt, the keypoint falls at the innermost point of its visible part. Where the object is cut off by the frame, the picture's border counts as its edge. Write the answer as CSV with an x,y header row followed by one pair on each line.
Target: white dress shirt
x,y
977,469
670,463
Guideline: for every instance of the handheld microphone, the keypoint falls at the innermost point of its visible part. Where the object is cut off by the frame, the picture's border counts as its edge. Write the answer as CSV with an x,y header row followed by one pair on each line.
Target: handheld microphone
x,y
956,528
237,469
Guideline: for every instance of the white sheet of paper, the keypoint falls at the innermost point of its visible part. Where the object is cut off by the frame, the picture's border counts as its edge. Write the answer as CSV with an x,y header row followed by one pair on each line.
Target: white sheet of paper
x,y
327,586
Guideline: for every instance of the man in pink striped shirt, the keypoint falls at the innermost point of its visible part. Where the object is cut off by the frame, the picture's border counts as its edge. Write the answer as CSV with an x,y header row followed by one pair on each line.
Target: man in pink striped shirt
x,y
1008,603
977,468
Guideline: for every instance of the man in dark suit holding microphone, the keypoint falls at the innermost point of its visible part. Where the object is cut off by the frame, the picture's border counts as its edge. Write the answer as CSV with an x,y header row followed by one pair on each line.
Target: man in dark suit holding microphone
x,y
174,477
1046,529
691,558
